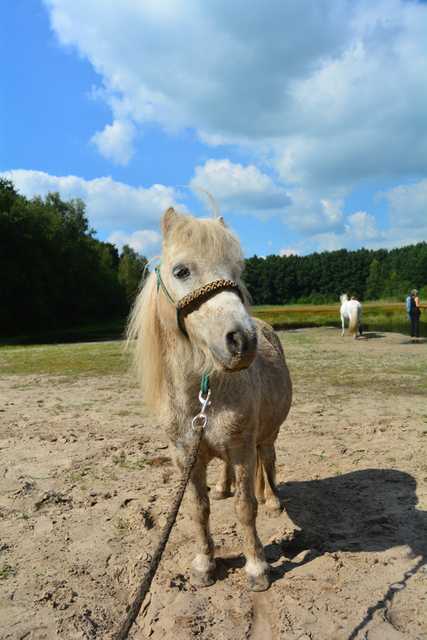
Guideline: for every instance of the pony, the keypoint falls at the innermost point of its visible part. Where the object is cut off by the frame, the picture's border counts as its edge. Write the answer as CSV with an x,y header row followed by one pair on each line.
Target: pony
x,y
210,331
351,310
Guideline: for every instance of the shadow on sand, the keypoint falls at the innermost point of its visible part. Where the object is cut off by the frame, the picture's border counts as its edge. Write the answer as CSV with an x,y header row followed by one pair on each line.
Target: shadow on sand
x,y
369,335
369,510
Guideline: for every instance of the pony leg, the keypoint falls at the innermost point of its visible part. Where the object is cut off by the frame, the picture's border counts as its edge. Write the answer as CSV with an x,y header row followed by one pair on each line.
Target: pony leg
x,y
246,506
266,465
223,487
342,322
204,563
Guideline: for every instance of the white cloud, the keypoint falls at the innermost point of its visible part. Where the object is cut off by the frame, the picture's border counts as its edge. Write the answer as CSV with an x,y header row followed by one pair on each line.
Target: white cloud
x,y
407,205
361,230
241,189
109,204
363,226
115,142
332,92
308,214
146,242
284,251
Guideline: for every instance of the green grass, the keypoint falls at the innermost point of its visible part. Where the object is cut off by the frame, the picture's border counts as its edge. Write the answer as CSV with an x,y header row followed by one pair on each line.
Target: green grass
x,y
121,526
121,462
314,369
97,359
5,570
108,358
378,312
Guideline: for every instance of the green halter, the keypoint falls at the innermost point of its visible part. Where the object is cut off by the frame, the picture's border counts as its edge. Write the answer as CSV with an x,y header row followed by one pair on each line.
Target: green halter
x,y
176,305
204,387
187,300
202,292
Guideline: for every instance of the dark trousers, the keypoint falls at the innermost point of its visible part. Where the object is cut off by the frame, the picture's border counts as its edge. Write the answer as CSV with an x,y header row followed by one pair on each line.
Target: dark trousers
x,y
415,324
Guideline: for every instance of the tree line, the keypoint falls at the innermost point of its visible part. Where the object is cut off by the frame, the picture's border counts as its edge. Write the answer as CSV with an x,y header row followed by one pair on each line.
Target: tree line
x,y
54,273
320,278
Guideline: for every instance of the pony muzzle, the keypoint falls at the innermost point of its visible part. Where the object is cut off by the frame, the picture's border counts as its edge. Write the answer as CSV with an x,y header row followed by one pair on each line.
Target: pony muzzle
x,y
241,347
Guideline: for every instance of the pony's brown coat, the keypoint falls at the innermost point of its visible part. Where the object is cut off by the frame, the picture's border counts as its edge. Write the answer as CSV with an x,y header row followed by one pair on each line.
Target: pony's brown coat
x,y
251,388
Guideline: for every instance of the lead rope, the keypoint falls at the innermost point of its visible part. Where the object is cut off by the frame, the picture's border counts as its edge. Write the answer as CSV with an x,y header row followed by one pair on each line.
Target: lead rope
x,y
164,536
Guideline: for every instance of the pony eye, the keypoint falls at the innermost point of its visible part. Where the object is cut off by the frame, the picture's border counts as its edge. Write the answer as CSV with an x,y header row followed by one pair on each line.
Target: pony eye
x,y
181,272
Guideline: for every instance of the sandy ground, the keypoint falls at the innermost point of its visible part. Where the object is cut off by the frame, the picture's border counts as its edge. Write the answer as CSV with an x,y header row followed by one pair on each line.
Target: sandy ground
x,y
81,510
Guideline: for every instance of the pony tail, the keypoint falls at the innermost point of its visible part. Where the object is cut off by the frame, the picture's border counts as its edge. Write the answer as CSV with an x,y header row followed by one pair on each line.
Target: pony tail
x,y
353,323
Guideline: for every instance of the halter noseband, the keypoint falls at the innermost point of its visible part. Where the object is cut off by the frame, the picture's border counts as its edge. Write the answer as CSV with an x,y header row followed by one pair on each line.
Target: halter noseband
x,y
201,292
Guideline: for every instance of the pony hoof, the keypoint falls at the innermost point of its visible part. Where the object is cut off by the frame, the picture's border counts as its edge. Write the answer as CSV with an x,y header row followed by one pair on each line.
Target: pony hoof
x,y
219,495
259,583
201,580
273,512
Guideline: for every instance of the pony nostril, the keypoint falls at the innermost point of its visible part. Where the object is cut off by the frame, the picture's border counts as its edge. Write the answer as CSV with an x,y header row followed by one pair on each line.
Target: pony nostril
x,y
240,342
232,342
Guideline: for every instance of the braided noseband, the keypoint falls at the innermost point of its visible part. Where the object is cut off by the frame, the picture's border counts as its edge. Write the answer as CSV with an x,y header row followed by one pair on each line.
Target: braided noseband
x,y
197,294
210,288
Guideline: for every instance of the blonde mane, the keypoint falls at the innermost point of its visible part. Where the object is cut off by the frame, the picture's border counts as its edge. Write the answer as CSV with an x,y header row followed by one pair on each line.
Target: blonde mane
x,y
212,242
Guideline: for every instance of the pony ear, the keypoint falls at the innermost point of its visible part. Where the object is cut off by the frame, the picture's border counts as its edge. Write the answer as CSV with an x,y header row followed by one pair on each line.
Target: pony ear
x,y
221,220
169,219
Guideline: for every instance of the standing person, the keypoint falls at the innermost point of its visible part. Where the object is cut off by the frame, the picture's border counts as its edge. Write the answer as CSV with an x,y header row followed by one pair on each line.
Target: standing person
x,y
415,313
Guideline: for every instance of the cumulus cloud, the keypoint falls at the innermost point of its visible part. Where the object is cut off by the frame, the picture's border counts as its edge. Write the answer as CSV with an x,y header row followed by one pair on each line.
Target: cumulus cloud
x,y
144,242
115,142
308,214
330,91
407,204
361,230
241,189
286,251
109,204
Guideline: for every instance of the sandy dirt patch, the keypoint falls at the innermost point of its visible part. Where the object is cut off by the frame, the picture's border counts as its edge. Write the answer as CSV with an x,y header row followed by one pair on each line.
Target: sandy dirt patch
x,y
86,484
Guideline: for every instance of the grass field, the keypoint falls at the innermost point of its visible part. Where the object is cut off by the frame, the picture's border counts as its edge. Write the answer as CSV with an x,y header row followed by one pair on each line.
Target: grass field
x,y
374,313
72,361
68,360
379,314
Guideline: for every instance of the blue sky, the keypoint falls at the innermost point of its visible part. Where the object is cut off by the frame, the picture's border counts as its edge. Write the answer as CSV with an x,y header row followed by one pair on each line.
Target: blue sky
x,y
306,120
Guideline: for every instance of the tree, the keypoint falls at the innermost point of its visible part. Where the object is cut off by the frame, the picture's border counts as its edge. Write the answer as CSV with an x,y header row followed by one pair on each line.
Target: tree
x,y
375,281
255,278
55,274
396,287
132,268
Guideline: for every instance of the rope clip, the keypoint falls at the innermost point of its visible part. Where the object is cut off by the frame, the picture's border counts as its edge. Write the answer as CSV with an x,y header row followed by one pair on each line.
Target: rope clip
x,y
205,402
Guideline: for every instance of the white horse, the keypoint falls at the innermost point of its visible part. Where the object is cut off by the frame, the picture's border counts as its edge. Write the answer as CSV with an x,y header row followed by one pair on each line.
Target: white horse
x,y
351,310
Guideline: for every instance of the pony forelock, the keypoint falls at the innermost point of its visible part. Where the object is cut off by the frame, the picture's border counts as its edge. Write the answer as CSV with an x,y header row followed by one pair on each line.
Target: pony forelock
x,y
214,239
